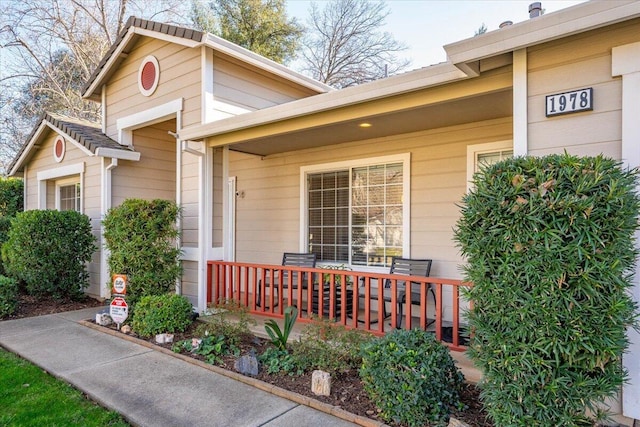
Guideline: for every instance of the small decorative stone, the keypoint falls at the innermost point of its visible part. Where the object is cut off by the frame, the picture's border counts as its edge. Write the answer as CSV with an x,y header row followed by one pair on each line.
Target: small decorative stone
x,y
321,383
126,329
164,338
103,319
247,365
457,423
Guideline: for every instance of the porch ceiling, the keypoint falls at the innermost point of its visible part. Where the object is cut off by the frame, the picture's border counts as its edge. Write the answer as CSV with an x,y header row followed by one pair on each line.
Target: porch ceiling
x,y
487,106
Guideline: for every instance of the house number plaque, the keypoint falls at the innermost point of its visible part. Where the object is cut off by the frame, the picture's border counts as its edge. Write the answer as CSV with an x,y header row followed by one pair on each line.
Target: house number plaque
x,y
569,102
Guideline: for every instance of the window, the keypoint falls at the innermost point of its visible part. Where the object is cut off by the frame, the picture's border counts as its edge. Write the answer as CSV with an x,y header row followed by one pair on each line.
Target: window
x,y
357,214
486,154
68,195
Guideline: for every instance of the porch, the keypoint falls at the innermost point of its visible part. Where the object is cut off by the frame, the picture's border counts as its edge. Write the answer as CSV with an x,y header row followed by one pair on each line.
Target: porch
x,y
350,298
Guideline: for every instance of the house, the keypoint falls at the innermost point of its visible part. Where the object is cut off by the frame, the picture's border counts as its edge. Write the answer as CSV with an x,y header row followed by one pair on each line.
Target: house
x,y
264,160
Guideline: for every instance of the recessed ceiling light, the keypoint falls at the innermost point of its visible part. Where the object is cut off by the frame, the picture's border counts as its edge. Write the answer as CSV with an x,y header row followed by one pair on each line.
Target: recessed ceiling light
x,y
365,125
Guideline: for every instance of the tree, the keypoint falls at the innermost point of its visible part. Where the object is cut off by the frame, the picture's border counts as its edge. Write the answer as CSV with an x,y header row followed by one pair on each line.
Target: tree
x,y
261,26
49,50
481,30
345,46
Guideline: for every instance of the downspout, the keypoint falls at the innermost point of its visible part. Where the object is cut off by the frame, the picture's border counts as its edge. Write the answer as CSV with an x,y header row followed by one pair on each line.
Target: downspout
x,y
105,291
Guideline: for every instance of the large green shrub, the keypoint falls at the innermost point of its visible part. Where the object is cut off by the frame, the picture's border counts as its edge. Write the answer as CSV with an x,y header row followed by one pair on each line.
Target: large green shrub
x,y
156,314
550,249
411,377
11,197
11,202
48,250
141,237
8,296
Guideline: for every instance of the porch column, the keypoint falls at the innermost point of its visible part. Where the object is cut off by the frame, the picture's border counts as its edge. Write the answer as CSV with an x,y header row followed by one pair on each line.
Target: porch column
x,y
626,63
520,94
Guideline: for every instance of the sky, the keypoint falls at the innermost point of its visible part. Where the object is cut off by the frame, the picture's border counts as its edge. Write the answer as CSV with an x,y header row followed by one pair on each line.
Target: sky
x,y
427,25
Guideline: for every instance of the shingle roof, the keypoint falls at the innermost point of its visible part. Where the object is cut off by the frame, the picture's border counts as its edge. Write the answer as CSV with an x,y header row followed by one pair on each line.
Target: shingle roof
x,y
84,132
171,30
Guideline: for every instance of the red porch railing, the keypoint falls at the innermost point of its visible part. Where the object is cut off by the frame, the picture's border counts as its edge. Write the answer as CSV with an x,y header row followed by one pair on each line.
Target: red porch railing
x,y
348,297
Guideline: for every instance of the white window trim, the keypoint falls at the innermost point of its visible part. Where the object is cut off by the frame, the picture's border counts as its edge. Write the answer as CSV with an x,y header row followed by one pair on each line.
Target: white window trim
x,y
404,158
66,182
474,150
126,125
61,172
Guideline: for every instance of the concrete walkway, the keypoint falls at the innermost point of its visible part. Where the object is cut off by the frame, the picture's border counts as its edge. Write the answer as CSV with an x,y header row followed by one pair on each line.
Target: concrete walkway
x,y
147,387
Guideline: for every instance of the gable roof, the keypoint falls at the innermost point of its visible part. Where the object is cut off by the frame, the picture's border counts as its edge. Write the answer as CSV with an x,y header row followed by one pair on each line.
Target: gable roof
x,y
136,27
86,135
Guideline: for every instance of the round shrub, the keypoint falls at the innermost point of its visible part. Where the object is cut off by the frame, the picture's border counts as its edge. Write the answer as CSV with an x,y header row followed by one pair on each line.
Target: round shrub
x,y
8,296
48,250
141,237
411,377
550,249
157,314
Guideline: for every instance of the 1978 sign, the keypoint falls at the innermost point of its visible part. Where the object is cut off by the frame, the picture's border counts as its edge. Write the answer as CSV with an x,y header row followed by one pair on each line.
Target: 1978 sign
x,y
569,102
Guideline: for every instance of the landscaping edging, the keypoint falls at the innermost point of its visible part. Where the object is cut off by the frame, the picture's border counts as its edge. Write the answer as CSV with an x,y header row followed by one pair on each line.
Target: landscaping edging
x,y
254,382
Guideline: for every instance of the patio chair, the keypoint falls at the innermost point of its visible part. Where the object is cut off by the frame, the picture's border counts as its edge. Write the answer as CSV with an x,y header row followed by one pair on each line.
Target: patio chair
x,y
289,259
406,267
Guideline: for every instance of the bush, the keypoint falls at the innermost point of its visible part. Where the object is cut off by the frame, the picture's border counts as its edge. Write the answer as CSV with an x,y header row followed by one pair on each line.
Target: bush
x,y
156,314
234,330
11,197
8,296
550,250
141,237
48,251
411,377
330,347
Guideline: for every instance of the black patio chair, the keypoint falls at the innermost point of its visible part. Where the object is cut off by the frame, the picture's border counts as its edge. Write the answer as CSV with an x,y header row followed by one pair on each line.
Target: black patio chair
x,y
405,267
289,259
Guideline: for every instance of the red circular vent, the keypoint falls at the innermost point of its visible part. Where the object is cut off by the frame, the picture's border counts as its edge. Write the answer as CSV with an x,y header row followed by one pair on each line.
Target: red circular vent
x,y
58,149
148,75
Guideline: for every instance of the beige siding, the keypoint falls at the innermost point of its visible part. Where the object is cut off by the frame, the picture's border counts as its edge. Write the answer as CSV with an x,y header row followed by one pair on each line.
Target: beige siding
x,y
237,87
190,194
575,63
154,175
190,281
268,217
180,77
43,160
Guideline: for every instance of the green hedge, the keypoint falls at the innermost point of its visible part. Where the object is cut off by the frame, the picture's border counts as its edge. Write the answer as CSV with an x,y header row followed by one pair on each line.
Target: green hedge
x,y
411,377
11,197
141,237
48,250
8,296
550,249
156,314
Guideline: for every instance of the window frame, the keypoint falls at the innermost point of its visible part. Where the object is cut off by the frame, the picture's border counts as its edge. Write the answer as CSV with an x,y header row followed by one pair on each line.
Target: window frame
x,y
404,159
473,151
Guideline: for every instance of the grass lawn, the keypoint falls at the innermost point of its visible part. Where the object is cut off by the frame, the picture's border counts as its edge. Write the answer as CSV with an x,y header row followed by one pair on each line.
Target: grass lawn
x,y
31,397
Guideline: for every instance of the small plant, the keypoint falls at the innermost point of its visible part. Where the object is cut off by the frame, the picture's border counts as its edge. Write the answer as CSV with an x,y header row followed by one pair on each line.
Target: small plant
x,y
211,347
328,346
279,337
326,277
276,360
231,321
8,296
411,377
155,314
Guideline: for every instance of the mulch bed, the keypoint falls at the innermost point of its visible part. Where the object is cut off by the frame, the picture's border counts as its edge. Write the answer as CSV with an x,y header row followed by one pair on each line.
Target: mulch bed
x,y
347,389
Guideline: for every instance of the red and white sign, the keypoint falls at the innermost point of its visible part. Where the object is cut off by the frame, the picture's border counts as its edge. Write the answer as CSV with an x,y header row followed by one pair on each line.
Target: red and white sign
x,y
119,310
119,284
